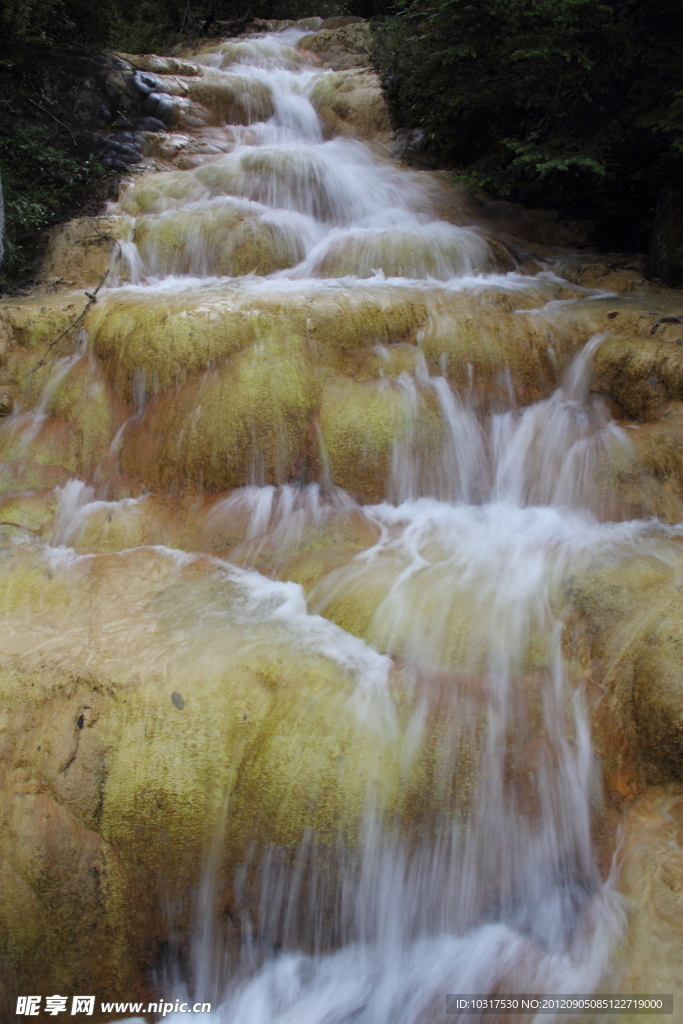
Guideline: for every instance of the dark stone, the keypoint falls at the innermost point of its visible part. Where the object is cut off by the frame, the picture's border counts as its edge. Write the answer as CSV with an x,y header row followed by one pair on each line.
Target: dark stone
x,y
158,105
165,108
177,700
129,157
122,147
116,163
149,124
666,250
410,146
145,84
149,104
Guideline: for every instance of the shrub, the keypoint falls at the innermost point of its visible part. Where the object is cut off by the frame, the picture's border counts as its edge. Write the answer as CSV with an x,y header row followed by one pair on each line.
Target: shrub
x,y
574,104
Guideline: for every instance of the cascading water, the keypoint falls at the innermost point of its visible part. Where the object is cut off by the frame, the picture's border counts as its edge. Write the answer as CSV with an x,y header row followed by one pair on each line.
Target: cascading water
x,y
500,891
443,841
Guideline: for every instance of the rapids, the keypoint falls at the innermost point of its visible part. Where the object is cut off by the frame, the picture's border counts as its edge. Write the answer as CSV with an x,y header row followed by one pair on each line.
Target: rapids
x,y
352,432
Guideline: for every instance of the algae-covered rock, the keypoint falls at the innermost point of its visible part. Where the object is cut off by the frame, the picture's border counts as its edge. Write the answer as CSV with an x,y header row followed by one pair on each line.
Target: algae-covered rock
x,y
30,510
229,98
161,338
630,611
37,321
640,373
73,420
340,46
488,351
47,441
121,745
651,876
221,238
435,251
159,192
84,400
374,432
79,253
350,103
242,423
645,470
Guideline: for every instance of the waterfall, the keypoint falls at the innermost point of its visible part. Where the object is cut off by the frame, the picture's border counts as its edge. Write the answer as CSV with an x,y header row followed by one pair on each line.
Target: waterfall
x,y
308,505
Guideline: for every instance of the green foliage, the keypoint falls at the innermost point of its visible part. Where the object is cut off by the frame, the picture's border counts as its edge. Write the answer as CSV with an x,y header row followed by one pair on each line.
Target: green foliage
x,y
38,180
575,104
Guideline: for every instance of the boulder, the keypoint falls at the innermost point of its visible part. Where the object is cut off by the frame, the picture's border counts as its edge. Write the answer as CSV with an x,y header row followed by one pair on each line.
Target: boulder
x,y
80,251
642,373
628,613
341,46
163,337
351,103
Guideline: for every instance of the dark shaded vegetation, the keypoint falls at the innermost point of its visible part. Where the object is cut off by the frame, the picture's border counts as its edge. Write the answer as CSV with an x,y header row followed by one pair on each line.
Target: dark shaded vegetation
x,y
571,104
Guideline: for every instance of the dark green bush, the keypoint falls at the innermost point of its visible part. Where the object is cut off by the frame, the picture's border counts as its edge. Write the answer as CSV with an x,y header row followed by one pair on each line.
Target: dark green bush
x,y
574,104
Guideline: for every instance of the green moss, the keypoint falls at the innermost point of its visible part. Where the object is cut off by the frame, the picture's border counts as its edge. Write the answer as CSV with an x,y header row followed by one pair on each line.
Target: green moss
x,y
221,239
244,422
171,337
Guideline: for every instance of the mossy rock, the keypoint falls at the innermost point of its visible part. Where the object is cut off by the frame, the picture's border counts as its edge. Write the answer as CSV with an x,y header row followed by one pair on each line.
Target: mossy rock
x,y
490,352
363,426
438,251
231,98
639,373
165,338
160,192
31,511
351,103
422,616
242,423
224,239
38,321
121,748
50,443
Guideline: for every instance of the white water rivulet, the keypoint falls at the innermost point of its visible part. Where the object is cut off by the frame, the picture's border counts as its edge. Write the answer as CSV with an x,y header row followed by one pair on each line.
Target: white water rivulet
x,y
424,814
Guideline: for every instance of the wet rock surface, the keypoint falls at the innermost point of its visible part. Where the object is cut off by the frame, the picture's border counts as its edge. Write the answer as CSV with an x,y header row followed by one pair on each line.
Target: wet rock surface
x,y
326,501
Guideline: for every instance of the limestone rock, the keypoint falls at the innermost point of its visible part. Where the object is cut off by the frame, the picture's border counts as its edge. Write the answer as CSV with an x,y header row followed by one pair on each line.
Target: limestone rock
x,y
80,251
630,613
641,373
341,47
110,788
244,422
652,879
225,239
351,103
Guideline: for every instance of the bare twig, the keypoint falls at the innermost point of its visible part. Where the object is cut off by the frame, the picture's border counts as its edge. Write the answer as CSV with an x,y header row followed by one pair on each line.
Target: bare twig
x,y
92,297
50,114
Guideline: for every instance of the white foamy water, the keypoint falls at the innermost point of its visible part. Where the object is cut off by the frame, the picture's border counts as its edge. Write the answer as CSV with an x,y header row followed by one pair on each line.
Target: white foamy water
x,y
343,209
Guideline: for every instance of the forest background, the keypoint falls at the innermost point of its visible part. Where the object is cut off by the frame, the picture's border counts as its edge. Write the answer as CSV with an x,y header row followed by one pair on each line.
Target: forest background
x,y
573,105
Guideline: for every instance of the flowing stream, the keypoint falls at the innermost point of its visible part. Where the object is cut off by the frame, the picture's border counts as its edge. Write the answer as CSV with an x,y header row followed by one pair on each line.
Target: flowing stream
x,y
505,894
476,869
